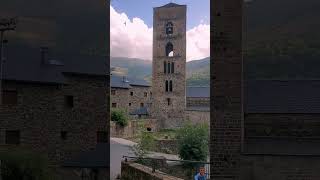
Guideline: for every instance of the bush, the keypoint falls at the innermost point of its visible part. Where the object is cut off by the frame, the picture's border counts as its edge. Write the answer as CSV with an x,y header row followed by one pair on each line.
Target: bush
x,y
119,116
193,142
145,145
24,165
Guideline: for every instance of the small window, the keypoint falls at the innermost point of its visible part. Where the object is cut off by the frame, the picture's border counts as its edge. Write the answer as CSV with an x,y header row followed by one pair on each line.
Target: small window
x,y
63,135
114,105
170,86
141,104
68,100
13,137
169,49
167,86
169,101
131,93
9,97
169,28
172,67
165,67
102,137
145,94
169,68
129,104
113,92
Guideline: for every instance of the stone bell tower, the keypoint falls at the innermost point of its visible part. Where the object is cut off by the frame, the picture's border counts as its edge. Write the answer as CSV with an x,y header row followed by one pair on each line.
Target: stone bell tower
x,y
169,65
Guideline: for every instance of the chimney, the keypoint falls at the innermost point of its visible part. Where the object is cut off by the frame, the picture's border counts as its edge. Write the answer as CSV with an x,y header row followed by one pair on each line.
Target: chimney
x,y
44,55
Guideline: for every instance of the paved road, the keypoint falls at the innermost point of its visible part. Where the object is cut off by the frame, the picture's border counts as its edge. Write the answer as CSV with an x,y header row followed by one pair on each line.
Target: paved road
x,y
117,150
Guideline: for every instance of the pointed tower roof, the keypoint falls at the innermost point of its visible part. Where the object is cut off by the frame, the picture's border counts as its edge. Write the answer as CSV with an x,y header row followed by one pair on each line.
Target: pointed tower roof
x,y
171,5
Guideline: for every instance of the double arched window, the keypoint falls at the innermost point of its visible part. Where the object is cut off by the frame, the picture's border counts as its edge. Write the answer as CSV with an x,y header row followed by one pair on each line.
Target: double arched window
x,y
168,67
169,86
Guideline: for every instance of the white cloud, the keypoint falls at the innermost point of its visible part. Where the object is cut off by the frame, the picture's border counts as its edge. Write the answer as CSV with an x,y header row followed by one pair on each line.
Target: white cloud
x,y
133,38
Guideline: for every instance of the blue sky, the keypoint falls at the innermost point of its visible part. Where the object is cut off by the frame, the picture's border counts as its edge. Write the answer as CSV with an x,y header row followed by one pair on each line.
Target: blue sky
x,y
131,28
197,10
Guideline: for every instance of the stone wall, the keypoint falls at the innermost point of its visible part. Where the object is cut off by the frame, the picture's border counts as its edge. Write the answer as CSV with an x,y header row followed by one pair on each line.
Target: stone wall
x,y
198,102
167,146
132,129
198,117
226,79
123,97
134,171
264,167
41,115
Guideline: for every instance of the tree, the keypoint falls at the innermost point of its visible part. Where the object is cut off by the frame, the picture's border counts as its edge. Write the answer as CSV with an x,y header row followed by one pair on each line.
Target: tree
x,y
193,142
119,116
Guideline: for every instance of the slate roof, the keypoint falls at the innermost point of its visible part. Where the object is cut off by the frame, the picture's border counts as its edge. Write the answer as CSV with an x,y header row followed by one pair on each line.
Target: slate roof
x,y
198,92
274,96
127,82
140,111
90,159
27,66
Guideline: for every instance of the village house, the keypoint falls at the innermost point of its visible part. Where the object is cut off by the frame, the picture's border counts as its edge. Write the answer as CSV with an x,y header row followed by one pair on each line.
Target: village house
x,y
57,107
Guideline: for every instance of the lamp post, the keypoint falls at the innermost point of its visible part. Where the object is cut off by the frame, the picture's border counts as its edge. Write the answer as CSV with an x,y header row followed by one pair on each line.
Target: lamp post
x,y
5,25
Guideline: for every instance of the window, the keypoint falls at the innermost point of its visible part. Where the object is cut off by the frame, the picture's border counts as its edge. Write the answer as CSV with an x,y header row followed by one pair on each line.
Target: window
x,y
172,67
9,97
165,67
167,86
68,101
141,104
114,105
169,101
131,93
169,68
129,104
145,94
63,135
169,49
113,92
170,86
13,137
102,137
169,28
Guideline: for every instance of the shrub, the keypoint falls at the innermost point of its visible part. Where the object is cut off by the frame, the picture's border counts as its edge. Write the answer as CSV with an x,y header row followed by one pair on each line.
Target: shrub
x,y
24,165
145,145
193,142
119,116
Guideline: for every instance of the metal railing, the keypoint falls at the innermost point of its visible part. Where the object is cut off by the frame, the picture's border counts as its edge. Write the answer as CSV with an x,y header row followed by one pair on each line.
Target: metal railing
x,y
172,166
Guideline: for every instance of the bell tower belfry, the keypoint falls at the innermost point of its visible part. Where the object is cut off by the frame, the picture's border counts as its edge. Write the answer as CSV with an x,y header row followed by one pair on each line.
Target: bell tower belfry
x,y
169,64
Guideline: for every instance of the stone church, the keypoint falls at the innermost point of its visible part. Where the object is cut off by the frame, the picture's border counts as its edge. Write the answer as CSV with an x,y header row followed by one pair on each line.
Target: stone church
x,y
168,99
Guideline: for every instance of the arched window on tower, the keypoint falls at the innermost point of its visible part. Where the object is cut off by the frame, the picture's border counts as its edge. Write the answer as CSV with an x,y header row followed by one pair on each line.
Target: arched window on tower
x,y
165,67
169,28
169,49
170,87
169,68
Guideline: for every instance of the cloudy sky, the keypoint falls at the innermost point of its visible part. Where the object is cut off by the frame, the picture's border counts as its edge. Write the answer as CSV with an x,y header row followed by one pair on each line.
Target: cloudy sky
x,y
131,28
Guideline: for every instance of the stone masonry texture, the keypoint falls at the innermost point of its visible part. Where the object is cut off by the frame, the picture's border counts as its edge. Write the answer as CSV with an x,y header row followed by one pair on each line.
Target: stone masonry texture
x,y
41,115
226,77
169,116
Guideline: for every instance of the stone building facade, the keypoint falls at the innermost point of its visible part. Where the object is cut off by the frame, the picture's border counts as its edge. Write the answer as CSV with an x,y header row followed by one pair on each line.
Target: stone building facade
x,y
131,95
56,110
259,130
169,64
